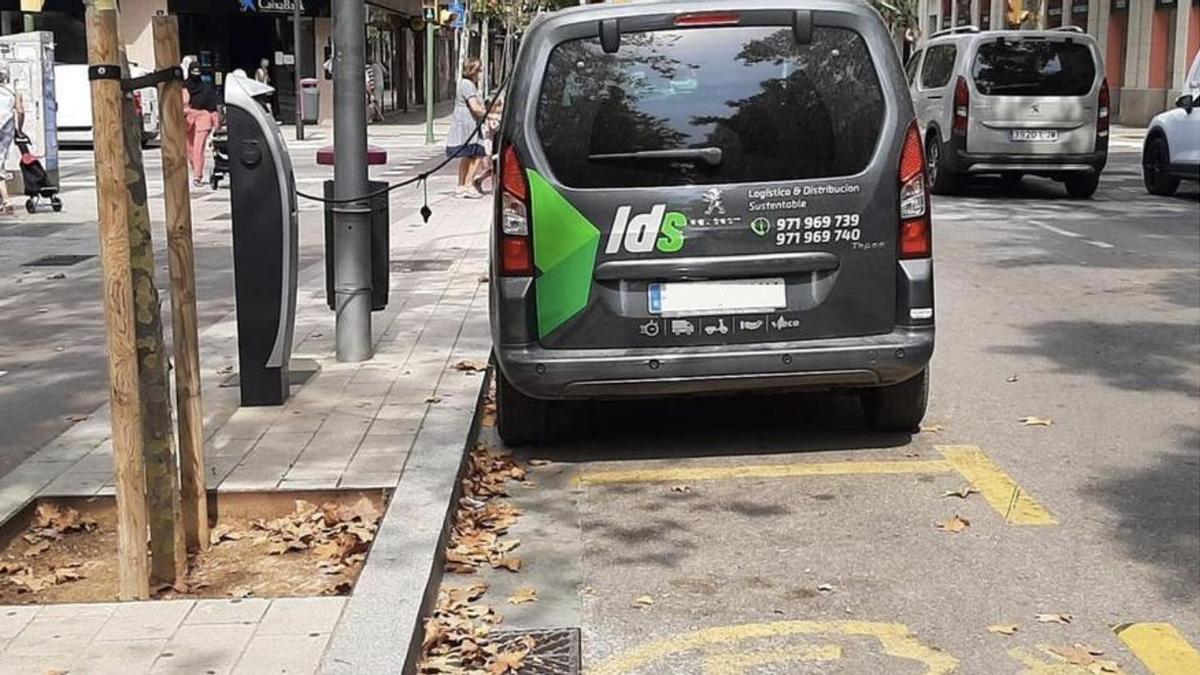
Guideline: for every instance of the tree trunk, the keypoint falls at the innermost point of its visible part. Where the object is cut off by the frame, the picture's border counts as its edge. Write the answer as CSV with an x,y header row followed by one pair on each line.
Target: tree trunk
x,y
168,555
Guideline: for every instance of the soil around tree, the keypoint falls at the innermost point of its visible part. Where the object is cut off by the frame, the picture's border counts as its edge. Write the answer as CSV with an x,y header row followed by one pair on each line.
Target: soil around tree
x,y
277,546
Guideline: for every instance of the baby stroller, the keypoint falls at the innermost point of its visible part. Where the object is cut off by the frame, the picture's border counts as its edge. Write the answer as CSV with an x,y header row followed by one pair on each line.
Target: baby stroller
x,y
37,182
220,156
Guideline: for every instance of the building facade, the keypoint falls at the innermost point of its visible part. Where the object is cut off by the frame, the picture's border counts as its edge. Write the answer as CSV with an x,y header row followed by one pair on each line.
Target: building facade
x,y
229,34
1148,45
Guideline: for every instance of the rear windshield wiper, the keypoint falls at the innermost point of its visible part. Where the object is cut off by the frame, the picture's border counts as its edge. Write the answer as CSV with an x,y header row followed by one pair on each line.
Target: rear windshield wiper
x,y
709,155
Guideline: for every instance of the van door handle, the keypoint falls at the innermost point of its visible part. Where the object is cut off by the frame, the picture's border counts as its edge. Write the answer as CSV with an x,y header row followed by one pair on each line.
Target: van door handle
x,y
717,267
934,97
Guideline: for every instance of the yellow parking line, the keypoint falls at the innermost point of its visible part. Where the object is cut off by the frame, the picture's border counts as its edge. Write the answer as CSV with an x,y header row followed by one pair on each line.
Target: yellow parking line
x,y
683,475
895,639
996,486
1161,648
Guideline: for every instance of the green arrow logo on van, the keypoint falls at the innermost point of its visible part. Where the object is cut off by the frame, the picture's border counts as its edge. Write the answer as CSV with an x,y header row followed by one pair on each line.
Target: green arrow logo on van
x,y
564,250
760,226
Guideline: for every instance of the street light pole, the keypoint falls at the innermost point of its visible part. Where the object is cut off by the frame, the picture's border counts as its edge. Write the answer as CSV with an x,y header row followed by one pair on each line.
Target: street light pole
x,y
296,48
351,220
430,17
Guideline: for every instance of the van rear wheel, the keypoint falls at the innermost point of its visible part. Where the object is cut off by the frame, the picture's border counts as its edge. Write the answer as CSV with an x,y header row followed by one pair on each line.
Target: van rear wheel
x,y
898,407
520,419
942,181
1082,185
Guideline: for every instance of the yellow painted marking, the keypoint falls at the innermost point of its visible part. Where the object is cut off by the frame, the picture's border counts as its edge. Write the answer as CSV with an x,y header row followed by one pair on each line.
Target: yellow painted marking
x,y
1161,648
684,474
740,664
1053,664
895,639
997,487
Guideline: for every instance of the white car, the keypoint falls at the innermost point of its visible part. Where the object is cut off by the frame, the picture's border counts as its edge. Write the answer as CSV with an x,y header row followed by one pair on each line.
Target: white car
x,y
1171,152
74,94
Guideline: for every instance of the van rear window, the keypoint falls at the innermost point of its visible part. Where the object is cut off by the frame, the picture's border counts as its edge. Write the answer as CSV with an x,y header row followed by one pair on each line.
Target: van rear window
x,y
776,110
1033,68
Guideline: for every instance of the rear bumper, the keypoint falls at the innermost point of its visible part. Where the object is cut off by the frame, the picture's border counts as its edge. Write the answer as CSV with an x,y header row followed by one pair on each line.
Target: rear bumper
x,y
962,161
868,361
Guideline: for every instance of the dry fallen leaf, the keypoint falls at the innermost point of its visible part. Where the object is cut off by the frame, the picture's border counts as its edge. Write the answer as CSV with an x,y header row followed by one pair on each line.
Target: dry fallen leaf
x,y
961,493
1012,378
76,418
1036,421
470,366
644,601
523,595
36,550
1053,618
1003,628
932,428
955,525
510,564
681,488
538,462
433,399
1075,655
825,588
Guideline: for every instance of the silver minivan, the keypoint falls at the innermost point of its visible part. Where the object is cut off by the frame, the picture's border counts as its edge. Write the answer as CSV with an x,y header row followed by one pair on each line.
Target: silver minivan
x,y
1012,103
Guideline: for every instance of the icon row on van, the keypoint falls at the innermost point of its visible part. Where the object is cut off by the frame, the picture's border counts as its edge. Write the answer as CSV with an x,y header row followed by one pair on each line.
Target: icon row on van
x,y
718,326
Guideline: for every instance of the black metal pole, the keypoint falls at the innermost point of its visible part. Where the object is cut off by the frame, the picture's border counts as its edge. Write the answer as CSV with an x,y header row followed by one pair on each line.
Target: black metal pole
x,y
298,52
351,225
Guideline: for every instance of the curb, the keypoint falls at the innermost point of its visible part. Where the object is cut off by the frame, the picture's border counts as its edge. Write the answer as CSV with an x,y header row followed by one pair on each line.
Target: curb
x,y
380,628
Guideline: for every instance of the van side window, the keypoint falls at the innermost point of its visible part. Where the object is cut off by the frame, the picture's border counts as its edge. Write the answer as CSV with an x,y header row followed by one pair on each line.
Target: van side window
x,y
910,71
939,66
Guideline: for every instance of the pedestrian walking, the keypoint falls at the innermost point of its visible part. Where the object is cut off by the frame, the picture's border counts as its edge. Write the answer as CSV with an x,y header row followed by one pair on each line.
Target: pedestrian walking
x,y
200,107
12,119
462,141
263,74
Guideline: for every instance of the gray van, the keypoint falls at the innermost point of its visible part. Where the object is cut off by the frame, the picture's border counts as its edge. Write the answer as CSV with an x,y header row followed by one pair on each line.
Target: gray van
x,y
1012,103
706,197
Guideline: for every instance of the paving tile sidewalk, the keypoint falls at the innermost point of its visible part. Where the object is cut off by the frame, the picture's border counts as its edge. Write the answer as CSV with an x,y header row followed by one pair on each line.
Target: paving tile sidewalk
x,y
346,426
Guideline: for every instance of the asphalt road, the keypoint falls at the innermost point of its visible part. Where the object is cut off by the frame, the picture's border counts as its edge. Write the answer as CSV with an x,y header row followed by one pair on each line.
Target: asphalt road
x,y
1083,313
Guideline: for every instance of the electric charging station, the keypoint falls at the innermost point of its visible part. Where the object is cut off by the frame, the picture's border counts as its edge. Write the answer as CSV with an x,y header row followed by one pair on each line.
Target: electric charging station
x,y
265,242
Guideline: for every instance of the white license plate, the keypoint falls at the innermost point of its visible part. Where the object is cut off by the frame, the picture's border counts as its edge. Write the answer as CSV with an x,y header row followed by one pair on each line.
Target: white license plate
x,y
732,296
1032,135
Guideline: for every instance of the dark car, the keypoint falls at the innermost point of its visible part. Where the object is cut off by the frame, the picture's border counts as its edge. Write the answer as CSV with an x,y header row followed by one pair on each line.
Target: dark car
x,y
705,197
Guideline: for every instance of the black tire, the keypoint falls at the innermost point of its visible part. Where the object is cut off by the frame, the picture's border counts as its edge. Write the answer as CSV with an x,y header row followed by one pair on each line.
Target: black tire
x,y
1082,185
1156,156
56,204
520,420
942,181
898,407
30,206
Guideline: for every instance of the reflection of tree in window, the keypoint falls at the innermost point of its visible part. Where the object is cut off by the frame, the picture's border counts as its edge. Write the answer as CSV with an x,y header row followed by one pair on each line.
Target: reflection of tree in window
x,y
1027,68
777,110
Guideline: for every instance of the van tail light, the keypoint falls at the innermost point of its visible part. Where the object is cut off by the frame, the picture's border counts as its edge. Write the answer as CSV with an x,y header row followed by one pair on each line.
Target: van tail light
x,y
515,244
708,19
1102,111
962,106
916,240
137,103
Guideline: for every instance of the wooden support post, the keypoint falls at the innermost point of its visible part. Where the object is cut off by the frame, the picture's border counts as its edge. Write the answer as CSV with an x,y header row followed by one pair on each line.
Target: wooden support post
x,y
103,50
183,288
168,554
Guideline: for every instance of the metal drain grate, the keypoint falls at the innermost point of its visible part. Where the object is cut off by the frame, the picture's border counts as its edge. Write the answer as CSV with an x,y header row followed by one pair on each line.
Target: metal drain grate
x,y
421,265
63,260
555,651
